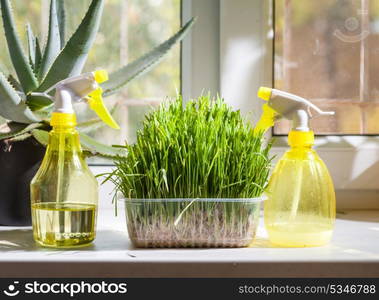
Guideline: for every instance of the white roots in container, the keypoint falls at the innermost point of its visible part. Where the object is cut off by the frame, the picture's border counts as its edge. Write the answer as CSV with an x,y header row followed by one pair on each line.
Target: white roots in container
x,y
201,224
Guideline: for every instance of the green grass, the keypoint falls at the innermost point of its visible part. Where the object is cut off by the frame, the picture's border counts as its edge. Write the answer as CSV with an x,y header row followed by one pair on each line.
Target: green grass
x,y
201,150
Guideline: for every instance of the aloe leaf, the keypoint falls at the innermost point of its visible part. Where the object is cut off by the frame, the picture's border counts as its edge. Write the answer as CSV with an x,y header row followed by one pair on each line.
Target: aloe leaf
x,y
89,145
12,129
21,137
53,44
38,102
96,148
143,64
90,125
44,113
38,56
72,58
21,65
31,46
61,21
11,105
13,81
42,136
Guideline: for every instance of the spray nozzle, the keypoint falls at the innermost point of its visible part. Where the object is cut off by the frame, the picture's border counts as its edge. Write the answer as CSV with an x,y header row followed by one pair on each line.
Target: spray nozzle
x,y
100,76
74,89
289,106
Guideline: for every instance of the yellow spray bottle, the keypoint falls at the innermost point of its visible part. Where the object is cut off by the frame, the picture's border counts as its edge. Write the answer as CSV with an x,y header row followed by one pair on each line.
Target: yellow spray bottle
x,y
300,210
64,192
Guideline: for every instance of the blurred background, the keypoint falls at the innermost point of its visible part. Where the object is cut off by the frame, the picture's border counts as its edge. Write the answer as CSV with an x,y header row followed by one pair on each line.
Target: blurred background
x,y
328,51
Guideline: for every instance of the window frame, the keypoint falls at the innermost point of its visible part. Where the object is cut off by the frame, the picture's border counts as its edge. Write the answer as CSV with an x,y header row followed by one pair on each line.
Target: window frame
x,y
100,162
353,161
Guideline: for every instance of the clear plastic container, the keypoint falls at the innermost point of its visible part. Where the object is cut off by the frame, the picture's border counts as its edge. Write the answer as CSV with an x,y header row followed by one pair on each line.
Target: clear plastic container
x,y
168,223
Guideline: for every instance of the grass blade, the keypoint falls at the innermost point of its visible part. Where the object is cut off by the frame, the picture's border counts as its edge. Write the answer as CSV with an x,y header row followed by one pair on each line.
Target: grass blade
x,y
201,150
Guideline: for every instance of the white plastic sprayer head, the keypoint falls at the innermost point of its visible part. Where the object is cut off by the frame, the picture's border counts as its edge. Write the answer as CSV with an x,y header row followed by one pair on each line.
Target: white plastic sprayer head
x,y
291,107
73,90
85,86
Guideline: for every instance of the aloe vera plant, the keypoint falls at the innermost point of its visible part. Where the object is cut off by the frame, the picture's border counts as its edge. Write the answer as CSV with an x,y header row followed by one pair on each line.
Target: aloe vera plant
x,y
21,104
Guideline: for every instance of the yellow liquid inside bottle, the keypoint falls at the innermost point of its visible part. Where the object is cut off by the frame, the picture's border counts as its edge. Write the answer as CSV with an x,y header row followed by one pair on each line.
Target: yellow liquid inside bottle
x,y
300,233
63,225
300,210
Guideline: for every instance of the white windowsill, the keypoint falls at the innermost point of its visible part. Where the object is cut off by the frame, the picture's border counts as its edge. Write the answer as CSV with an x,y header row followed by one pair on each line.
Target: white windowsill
x,y
353,252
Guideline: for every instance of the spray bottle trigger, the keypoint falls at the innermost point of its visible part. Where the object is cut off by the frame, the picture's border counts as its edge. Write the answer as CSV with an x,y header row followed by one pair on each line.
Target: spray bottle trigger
x,y
267,119
95,101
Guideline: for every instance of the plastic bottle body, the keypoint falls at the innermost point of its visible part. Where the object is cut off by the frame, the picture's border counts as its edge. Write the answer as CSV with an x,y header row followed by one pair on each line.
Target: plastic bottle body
x,y
300,210
64,194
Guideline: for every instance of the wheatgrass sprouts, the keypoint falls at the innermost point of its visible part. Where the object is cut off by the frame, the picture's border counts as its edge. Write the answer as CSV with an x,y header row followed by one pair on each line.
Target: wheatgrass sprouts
x,y
202,150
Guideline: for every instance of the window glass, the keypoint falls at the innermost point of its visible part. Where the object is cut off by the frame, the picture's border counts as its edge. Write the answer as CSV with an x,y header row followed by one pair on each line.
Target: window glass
x,y
129,28
328,51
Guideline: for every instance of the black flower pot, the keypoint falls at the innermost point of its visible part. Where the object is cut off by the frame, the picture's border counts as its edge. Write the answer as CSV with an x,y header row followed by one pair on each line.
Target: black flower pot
x,y
19,161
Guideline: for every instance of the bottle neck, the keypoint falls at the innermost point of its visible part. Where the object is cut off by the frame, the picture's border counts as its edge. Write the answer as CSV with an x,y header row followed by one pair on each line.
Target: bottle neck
x,y
64,133
59,120
66,137
301,139
64,129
